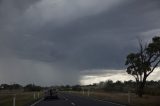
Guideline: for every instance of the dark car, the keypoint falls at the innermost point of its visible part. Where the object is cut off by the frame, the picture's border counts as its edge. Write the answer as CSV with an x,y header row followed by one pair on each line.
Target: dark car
x,y
50,94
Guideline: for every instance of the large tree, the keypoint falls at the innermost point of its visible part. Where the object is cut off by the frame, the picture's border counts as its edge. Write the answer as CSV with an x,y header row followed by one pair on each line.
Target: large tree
x,y
141,64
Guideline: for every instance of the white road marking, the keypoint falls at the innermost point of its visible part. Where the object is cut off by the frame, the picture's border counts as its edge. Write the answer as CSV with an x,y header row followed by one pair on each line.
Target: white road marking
x,y
110,102
66,99
37,102
100,101
73,104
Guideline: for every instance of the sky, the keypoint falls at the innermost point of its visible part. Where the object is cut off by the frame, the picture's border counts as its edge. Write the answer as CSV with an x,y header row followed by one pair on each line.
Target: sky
x,y
56,42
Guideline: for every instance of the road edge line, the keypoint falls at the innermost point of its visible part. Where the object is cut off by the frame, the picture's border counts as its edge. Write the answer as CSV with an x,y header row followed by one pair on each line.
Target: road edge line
x,y
36,102
101,100
109,102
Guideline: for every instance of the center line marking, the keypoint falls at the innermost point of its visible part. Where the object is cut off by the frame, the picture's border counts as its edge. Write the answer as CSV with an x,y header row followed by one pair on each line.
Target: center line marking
x,y
73,104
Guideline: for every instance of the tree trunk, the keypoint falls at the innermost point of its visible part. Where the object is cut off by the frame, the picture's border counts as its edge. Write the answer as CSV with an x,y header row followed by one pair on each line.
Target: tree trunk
x,y
140,92
141,88
137,87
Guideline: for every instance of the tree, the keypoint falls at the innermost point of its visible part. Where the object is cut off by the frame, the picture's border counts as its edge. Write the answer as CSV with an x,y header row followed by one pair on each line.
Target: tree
x,y
15,86
76,88
32,87
141,64
109,85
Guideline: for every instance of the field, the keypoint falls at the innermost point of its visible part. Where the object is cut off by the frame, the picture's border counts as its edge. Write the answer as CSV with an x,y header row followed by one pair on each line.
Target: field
x,y
22,98
122,98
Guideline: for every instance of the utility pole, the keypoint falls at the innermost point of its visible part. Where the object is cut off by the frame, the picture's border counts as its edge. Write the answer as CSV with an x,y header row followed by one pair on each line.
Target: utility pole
x,y
88,92
82,90
34,96
14,100
38,94
129,97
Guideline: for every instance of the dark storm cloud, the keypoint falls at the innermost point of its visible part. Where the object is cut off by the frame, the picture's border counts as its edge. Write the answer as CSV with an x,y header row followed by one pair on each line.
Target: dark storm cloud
x,y
101,40
76,35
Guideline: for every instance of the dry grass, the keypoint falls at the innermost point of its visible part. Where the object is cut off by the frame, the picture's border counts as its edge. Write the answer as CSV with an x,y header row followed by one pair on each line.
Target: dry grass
x,y
22,98
147,100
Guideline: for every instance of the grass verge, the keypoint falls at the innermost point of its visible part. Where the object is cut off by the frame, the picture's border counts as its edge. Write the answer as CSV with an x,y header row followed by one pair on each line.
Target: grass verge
x,y
22,98
122,98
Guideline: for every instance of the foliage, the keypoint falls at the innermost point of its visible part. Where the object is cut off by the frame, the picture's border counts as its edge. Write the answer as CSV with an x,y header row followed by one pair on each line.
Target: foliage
x,y
32,87
10,87
29,87
152,87
141,64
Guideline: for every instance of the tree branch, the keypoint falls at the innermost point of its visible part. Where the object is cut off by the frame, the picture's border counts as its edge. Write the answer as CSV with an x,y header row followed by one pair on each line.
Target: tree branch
x,y
155,58
153,68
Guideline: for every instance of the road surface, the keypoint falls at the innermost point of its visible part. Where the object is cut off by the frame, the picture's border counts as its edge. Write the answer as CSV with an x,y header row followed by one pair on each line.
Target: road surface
x,y
73,100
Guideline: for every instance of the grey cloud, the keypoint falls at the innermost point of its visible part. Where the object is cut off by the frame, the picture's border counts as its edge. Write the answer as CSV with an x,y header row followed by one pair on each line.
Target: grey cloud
x,y
74,36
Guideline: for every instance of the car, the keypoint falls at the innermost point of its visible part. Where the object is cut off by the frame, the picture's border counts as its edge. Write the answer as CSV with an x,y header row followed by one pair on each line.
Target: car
x,y
51,94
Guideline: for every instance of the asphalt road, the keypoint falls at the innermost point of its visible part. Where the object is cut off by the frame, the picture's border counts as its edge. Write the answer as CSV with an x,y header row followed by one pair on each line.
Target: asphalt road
x,y
73,100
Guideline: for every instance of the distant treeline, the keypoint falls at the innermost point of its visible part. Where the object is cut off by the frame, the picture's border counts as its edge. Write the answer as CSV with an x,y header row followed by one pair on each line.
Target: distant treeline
x,y
152,87
29,87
